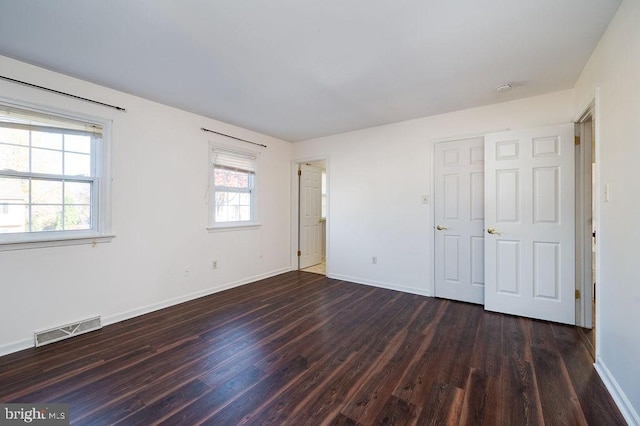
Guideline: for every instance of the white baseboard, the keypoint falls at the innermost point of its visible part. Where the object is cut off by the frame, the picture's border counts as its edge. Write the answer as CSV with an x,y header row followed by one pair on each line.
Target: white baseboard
x,y
380,284
112,319
10,348
619,397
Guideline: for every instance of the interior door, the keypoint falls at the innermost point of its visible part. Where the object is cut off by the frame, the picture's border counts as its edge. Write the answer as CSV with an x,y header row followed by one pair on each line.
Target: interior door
x,y
310,213
529,211
459,219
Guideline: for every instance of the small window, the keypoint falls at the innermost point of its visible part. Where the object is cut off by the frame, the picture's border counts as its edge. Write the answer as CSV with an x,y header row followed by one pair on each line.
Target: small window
x,y
48,176
233,188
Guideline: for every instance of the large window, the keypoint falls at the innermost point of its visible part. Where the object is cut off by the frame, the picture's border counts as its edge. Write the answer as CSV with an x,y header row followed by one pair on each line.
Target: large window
x,y
233,188
49,176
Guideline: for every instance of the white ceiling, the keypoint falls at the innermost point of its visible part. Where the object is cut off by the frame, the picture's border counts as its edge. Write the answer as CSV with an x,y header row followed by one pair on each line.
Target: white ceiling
x,y
298,69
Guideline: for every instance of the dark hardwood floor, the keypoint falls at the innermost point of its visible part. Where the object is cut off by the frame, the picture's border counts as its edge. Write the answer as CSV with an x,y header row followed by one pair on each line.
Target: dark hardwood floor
x,y
302,349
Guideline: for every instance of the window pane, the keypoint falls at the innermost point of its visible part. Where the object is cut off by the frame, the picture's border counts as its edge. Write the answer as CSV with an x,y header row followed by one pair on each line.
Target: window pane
x,y
14,190
231,178
234,214
14,136
77,193
13,218
245,213
14,158
77,217
46,218
218,177
46,140
77,164
222,213
46,191
77,143
45,161
241,180
14,195
245,199
233,198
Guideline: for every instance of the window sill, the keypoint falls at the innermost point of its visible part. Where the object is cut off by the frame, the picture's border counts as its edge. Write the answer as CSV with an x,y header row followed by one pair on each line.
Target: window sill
x,y
233,227
55,242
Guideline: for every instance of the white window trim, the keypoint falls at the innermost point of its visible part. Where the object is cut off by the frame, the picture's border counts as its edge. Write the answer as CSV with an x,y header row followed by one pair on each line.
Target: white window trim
x,y
231,226
102,222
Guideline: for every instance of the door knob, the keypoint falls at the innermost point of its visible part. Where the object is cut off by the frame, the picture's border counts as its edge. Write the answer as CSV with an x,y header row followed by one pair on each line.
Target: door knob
x,y
441,228
493,231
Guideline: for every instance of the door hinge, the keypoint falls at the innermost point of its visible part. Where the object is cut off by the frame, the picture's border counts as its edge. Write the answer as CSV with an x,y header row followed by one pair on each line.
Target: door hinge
x,y
577,140
299,253
299,172
578,295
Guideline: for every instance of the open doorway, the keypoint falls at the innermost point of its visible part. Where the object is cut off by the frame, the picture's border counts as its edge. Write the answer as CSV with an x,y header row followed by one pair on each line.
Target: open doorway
x,y
311,216
586,224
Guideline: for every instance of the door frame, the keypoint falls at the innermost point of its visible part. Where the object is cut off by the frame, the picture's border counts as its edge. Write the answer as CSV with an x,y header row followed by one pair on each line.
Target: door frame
x,y
590,111
295,211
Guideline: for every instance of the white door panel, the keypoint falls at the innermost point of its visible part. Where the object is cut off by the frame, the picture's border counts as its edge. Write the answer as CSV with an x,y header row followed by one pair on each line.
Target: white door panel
x,y
529,205
459,207
310,214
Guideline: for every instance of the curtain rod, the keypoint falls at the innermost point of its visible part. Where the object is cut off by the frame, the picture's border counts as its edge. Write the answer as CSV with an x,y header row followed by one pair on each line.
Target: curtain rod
x,y
232,137
13,80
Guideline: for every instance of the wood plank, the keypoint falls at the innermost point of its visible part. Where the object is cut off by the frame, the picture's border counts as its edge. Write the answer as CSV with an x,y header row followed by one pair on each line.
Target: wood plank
x,y
557,397
519,397
110,416
542,335
592,395
365,404
164,407
487,351
219,397
442,406
290,402
516,340
384,377
342,420
397,412
475,396
263,392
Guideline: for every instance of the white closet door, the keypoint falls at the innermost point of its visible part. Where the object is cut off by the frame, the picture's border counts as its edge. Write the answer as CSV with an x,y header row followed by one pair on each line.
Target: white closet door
x,y
529,220
459,218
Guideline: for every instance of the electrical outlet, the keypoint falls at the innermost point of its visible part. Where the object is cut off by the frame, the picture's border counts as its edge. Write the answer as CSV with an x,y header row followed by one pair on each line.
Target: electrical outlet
x,y
374,260
214,264
187,271
425,199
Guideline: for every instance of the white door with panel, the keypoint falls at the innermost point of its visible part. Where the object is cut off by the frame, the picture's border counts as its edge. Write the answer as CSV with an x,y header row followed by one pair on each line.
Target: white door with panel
x,y
529,218
310,211
459,219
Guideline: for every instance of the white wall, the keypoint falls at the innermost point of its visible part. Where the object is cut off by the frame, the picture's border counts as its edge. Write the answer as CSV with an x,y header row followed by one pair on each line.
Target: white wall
x,y
614,69
377,178
159,171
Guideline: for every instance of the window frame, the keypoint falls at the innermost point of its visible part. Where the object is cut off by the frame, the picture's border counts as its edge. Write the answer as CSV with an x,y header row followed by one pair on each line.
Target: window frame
x,y
253,191
100,205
